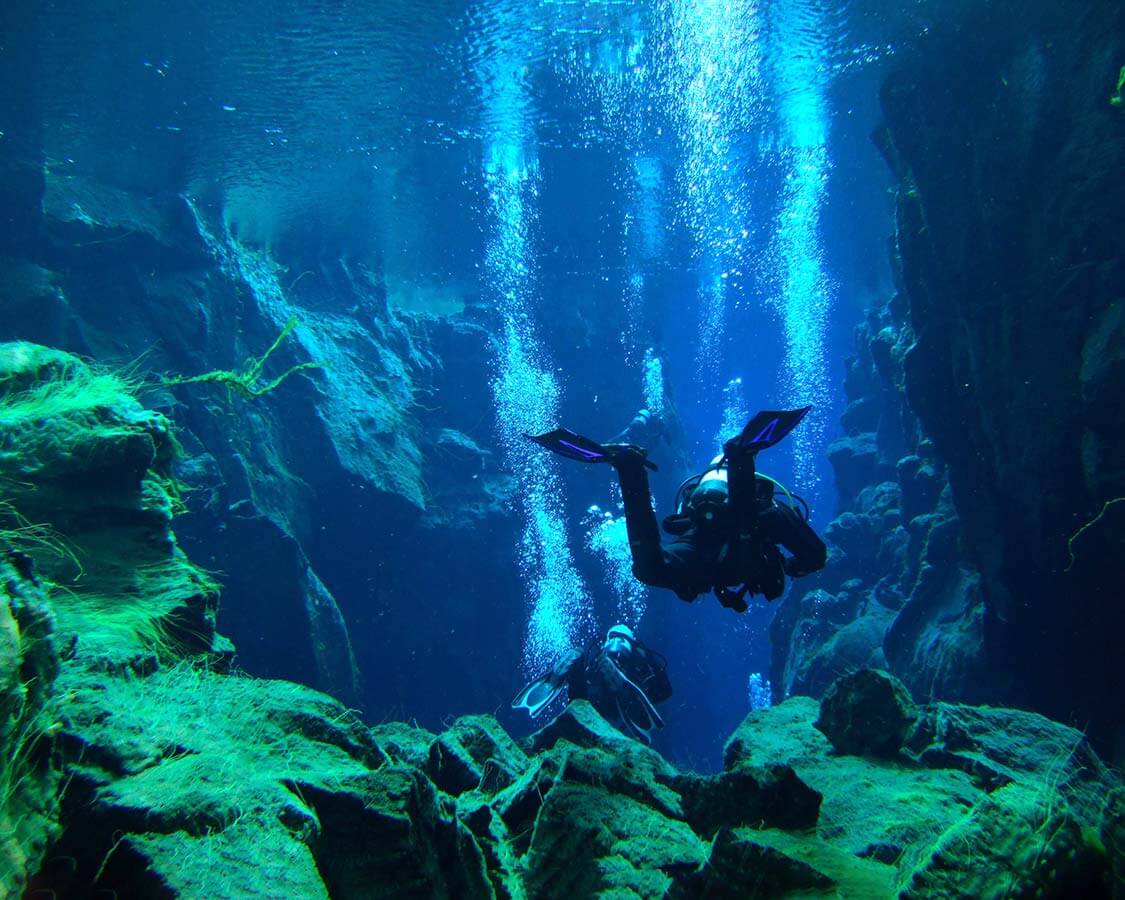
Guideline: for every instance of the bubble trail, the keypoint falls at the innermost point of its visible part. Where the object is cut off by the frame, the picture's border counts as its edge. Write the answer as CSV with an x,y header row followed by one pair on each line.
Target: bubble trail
x,y
525,392
714,95
800,71
607,538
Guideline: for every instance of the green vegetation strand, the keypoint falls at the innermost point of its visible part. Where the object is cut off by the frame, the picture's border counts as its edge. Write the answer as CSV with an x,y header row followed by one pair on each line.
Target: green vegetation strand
x,y
246,382
1094,521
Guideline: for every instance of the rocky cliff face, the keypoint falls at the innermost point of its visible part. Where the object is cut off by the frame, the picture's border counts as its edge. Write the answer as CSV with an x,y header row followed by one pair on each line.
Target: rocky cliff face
x,y
977,554
899,591
1009,212
303,494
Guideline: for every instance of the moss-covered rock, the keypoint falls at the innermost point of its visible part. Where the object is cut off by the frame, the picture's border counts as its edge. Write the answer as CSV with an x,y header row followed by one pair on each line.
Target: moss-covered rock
x,y
474,752
867,712
589,841
29,768
745,862
978,802
766,796
741,864
89,491
636,771
87,503
995,745
1021,840
404,743
519,804
579,724
184,765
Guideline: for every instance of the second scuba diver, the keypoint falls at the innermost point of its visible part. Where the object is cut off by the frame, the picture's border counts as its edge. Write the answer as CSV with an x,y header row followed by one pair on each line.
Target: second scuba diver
x,y
621,677
729,523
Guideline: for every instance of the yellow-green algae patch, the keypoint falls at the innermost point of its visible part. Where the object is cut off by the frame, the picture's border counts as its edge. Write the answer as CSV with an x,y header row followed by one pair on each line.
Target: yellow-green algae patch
x,y
87,491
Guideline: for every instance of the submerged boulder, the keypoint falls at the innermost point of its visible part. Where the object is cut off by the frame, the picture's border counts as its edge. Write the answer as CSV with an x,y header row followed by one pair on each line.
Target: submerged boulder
x,y
579,724
475,752
404,743
282,783
978,802
868,713
770,796
589,841
744,863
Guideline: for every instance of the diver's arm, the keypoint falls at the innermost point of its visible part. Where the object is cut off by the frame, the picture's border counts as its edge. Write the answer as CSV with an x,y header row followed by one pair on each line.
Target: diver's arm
x,y
782,525
649,671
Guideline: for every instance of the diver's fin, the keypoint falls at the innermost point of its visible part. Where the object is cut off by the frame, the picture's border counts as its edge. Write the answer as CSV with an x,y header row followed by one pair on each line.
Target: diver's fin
x,y
566,443
635,709
538,695
769,427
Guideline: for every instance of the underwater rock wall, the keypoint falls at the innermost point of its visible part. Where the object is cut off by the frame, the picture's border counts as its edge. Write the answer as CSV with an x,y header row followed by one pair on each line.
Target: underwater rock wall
x,y
310,498
977,551
897,592
89,494
1009,214
91,576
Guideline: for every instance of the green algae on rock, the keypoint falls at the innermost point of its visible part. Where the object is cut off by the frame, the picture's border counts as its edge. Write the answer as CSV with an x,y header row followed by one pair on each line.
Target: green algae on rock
x,y
82,458
193,765
980,801
30,770
247,381
868,712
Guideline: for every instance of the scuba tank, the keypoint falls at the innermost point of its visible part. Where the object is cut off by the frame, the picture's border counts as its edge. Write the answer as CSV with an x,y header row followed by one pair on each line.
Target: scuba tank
x,y
700,499
706,502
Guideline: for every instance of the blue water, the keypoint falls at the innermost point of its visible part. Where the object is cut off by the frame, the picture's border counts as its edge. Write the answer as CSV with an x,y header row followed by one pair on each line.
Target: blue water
x,y
693,182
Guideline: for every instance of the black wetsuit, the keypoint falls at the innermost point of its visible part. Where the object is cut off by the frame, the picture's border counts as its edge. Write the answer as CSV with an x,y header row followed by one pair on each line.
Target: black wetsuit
x,y
646,668
739,548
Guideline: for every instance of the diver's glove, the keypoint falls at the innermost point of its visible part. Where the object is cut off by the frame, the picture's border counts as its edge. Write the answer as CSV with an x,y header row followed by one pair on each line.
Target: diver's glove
x,y
733,599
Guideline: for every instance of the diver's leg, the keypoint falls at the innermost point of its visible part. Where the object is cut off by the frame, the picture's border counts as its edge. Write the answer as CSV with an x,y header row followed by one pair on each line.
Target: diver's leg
x,y
640,518
781,525
680,566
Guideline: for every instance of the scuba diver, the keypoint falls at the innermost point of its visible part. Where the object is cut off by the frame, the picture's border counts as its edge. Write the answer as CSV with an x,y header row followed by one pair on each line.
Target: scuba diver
x,y
644,430
622,678
729,523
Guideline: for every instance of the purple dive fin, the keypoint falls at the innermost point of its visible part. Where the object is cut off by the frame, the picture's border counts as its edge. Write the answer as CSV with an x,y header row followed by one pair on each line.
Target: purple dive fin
x,y
769,427
566,443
